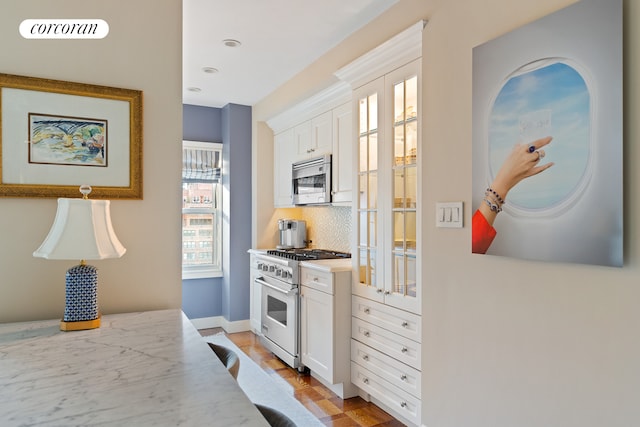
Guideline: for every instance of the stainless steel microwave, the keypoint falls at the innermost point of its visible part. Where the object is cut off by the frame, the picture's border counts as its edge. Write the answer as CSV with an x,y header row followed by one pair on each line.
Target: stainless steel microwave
x,y
311,181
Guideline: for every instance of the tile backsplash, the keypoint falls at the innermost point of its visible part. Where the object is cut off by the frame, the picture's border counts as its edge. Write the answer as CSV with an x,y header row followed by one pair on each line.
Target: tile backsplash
x,y
328,227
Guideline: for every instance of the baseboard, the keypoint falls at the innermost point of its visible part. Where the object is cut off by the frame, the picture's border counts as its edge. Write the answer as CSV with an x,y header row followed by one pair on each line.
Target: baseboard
x,y
221,322
344,390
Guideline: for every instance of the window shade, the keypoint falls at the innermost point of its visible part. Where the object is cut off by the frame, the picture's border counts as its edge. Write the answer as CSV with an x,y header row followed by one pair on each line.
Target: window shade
x,y
200,165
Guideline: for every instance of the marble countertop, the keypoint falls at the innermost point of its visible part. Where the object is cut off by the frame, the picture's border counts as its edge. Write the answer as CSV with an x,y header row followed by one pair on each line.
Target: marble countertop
x,y
329,265
137,369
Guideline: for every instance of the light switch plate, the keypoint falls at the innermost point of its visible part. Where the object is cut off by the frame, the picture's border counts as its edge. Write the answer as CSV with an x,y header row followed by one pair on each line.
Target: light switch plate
x,y
449,214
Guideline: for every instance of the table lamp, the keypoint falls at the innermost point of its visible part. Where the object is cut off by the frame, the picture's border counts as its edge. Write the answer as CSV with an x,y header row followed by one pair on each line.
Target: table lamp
x,y
81,230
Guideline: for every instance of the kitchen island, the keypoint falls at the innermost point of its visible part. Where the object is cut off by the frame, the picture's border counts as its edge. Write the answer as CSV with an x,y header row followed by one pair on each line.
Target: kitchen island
x,y
137,369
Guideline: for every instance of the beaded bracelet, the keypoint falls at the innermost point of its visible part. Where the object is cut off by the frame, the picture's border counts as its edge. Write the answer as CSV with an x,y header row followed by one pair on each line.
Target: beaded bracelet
x,y
492,198
494,207
490,190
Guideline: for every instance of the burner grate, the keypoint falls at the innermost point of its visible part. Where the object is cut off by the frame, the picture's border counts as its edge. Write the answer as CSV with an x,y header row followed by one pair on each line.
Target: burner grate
x,y
308,254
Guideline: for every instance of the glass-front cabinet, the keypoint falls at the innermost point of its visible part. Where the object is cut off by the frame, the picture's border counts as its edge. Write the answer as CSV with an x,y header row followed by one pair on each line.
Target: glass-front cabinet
x,y
368,209
388,177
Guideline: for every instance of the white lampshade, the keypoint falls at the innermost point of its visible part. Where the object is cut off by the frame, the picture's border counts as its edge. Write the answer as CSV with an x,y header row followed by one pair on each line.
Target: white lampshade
x,y
81,230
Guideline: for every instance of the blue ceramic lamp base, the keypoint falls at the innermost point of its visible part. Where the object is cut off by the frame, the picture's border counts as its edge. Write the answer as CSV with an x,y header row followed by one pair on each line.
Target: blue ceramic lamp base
x,y
81,300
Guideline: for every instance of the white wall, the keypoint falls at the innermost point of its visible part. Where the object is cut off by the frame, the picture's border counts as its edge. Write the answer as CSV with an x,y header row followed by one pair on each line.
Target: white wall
x,y
142,51
505,342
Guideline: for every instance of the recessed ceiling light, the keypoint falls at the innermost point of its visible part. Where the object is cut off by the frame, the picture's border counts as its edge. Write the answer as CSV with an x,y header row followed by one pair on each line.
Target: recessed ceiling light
x,y
210,70
194,89
231,43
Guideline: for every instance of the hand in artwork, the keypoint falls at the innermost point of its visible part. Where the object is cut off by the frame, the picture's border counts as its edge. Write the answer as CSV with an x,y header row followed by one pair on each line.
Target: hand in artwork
x,y
522,162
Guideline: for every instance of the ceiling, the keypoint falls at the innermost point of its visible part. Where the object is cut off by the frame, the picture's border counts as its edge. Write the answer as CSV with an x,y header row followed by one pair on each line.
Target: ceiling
x,y
278,39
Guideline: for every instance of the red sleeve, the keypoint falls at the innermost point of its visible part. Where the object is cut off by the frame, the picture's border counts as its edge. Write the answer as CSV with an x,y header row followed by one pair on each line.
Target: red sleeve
x,y
482,233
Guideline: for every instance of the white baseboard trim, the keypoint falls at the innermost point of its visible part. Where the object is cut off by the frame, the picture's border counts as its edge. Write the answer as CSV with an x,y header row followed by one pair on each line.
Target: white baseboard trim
x,y
221,322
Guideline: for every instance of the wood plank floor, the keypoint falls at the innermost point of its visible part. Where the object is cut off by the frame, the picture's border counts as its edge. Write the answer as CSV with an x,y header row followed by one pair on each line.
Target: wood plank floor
x,y
320,401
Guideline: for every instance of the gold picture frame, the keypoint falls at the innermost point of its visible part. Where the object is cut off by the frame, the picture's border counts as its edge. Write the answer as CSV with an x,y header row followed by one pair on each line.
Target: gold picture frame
x,y
57,135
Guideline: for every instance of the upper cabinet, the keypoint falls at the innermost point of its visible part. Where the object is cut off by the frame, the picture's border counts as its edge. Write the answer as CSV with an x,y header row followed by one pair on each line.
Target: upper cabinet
x,y
314,137
320,125
386,210
387,221
342,159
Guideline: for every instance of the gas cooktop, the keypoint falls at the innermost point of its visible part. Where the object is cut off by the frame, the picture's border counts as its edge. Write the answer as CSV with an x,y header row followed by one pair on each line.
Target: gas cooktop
x,y
307,254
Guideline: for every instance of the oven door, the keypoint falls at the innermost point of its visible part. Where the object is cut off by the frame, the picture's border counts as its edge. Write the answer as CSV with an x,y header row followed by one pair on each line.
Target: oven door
x,y
280,315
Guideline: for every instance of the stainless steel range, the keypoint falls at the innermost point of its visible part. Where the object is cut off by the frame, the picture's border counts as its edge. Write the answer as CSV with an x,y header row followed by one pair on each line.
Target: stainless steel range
x,y
279,276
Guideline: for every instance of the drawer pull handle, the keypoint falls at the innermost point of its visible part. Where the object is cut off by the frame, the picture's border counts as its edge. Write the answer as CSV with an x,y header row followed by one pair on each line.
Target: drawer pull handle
x,y
405,324
367,310
405,349
365,357
366,380
365,333
403,404
403,377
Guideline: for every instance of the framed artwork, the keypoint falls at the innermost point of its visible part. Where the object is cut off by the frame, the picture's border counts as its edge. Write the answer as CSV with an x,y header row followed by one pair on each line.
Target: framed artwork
x,y
549,96
57,135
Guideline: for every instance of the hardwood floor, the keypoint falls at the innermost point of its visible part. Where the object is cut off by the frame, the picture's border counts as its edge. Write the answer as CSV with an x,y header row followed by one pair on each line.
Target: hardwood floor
x,y
320,401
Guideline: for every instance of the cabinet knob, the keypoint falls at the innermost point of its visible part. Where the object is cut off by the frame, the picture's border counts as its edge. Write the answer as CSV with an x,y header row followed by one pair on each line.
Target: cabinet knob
x,y
405,324
365,380
366,333
403,404
387,292
379,290
365,357
315,279
366,310
405,349
403,377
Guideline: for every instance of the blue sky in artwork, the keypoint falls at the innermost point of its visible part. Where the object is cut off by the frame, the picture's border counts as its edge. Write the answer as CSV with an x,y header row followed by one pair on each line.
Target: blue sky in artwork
x,y
552,99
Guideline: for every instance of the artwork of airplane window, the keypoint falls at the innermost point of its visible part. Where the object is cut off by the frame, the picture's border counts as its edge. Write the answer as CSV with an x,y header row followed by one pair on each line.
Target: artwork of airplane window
x,y
60,140
546,98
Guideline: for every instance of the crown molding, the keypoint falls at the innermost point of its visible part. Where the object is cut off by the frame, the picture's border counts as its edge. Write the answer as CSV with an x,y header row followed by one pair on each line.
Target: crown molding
x,y
395,52
325,100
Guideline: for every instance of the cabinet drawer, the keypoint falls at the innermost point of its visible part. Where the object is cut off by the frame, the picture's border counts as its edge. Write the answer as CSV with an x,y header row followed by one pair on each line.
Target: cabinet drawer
x,y
387,342
402,376
397,400
318,280
390,318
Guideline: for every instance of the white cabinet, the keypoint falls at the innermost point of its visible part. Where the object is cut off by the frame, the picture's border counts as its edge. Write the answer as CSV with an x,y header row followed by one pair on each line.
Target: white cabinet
x,y
317,336
321,134
327,133
387,209
386,355
325,315
342,156
302,141
314,137
321,124
284,155
386,350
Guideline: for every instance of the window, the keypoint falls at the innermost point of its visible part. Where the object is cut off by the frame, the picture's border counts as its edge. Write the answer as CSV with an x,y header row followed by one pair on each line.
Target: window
x,y
201,209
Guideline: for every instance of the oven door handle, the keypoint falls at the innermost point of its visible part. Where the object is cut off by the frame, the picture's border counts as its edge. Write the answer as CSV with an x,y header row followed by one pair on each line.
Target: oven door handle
x,y
275,288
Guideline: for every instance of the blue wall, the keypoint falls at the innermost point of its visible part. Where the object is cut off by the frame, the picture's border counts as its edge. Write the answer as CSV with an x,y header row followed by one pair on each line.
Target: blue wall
x,y
236,180
227,296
